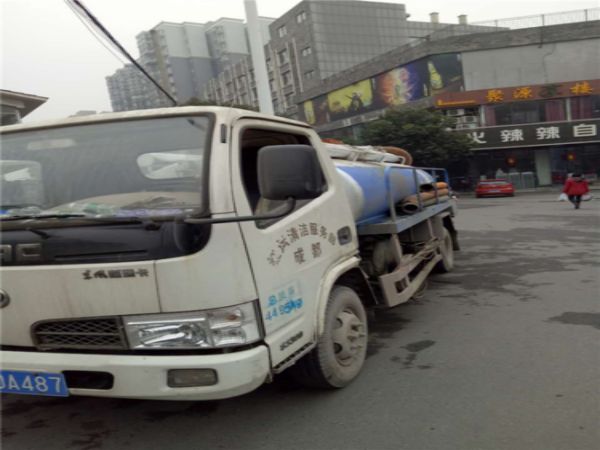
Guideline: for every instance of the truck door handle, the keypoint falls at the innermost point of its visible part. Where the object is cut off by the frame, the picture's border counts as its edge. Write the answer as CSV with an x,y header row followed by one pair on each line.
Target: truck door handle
x,y
344,235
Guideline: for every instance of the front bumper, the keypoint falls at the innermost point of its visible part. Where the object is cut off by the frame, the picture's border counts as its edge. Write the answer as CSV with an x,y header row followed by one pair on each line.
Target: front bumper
x,y
145,377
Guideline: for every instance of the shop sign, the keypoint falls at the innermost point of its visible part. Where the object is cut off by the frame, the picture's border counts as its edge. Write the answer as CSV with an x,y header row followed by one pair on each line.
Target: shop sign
x,y
551,133
517,93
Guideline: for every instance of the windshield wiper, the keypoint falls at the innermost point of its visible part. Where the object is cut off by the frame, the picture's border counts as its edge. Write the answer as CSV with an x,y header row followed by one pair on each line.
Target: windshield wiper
x,y
107,220
41,216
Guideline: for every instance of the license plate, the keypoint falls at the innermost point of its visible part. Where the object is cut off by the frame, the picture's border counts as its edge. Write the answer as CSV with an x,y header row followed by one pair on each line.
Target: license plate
x,y
494,191
33,383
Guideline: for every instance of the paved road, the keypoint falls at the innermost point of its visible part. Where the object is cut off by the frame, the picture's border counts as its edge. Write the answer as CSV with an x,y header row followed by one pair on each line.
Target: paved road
x,y
501,354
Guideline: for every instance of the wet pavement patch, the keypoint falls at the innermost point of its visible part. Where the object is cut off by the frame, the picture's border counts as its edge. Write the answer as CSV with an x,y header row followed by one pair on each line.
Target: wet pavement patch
x,y
90,441
197,410
93,425
40,423
19,406
6,434
413,348
386,323
416,347
578,318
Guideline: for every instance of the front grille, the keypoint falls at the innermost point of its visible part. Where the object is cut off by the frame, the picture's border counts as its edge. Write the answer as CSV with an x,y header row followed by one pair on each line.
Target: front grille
x,y
101,333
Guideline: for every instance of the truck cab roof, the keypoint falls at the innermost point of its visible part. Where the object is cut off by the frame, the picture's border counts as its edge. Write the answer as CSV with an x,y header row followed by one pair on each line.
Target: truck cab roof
x,y
222,113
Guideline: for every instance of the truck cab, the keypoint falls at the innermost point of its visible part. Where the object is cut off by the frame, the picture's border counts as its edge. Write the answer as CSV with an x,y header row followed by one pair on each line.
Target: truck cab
x,y
141,257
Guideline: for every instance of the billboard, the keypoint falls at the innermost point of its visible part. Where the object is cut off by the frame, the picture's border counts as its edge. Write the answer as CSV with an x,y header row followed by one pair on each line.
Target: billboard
x,y
350,100
422,78
443,74
398,86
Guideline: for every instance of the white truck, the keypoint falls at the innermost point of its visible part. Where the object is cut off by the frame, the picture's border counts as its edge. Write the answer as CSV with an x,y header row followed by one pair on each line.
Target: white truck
x,y
193,253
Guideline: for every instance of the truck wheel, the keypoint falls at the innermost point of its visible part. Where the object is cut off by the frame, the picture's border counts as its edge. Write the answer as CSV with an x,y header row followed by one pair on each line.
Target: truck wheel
x,y
447,251
342,348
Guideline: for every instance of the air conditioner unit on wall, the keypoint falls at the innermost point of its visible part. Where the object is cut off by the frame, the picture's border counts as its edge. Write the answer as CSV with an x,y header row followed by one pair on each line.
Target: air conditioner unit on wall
x,y
455,112
467,119
466,126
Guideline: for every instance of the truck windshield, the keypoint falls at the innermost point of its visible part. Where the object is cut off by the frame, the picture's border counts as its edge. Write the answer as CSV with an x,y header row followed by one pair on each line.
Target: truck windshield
x,y
135,168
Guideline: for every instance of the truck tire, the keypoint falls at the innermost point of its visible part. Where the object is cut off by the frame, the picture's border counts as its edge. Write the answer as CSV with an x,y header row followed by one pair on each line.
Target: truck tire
x,y
447,251
341,349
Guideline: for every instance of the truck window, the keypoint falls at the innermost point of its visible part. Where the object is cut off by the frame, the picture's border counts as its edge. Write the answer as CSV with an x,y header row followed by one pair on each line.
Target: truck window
x,y
252,141
142,167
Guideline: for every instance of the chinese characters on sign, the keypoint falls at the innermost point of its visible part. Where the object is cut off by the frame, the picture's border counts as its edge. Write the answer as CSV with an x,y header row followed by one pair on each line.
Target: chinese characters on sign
x,y
511,135
585,130
563,132
495,96
550,90
285,301
523,93
478,137
517,93
547,133
116,273
582,88
294,239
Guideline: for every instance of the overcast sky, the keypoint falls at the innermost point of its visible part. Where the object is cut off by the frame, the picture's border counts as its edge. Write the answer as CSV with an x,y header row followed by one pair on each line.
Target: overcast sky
x,y
47,51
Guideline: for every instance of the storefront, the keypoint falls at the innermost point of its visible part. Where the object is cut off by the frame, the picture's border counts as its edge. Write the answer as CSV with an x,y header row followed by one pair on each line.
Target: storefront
x,y
542,153
534,135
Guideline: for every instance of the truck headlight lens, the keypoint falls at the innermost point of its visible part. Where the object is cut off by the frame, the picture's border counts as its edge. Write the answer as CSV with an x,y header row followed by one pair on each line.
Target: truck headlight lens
x,y
212,328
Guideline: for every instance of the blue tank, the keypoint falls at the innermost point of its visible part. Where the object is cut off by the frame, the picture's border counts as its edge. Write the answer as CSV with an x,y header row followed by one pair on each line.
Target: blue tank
x,y
369,186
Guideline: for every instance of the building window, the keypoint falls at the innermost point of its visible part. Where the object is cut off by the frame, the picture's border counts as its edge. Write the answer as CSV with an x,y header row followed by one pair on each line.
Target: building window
x,y
309,75
286,78
307,51
283,57
289,100
282,31
525,112
301,17
585,107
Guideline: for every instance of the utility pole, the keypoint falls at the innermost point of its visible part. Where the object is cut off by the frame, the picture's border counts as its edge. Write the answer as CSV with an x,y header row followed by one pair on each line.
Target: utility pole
x,y
261,76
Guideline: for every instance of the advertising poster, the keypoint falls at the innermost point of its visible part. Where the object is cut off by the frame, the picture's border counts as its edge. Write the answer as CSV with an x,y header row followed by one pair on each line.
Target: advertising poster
x,y
403,84
399,86
316,111
443,74
350,100
309,112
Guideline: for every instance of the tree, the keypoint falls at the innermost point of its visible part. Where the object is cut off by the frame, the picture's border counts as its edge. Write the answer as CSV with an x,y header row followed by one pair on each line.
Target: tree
x,y
195,101
425,134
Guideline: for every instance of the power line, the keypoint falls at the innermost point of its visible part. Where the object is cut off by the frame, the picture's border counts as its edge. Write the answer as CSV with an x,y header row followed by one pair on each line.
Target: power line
x,y
95,33
78,6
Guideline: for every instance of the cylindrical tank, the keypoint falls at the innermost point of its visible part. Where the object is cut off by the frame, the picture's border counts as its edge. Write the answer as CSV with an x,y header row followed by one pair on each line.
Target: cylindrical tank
x,y
369,185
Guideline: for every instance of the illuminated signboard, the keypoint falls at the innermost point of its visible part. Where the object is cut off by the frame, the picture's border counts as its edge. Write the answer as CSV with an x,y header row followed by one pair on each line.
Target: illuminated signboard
x,y
517,93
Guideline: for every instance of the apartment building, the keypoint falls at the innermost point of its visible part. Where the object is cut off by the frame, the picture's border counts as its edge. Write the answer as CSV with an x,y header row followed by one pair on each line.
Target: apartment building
x,y
182,57
316,40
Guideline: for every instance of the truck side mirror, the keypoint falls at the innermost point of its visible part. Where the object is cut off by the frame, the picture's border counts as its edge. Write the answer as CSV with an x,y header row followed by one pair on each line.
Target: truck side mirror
x,y
286,171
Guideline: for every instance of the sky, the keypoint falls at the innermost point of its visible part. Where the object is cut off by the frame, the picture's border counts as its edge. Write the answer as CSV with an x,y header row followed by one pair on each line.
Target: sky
x,y
45,50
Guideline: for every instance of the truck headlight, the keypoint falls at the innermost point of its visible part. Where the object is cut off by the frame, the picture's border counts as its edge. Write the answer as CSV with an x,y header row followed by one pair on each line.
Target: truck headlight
x,y
211,328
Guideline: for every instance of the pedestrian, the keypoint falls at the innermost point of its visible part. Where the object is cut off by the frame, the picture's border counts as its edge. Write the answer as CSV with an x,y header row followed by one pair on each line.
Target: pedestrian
x,y
575,187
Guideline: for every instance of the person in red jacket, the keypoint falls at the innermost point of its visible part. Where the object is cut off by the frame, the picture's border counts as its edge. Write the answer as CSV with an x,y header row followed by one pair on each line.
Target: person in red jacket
x,y
575,187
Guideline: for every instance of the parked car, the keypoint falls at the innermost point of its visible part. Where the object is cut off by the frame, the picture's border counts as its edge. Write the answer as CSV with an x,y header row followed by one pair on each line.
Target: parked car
x,y
494,188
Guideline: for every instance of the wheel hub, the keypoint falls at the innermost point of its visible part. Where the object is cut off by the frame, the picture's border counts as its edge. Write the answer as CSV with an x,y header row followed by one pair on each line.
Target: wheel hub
x,y
349,337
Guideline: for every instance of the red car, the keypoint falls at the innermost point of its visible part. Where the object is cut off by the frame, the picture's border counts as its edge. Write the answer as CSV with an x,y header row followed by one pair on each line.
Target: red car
x,y
494,188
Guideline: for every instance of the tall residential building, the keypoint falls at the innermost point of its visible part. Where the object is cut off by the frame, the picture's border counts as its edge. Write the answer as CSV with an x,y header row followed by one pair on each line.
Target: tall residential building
x,y
182,58
317,39
129,89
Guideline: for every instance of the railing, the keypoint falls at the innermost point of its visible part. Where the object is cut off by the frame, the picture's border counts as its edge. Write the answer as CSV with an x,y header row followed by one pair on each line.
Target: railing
x,y
541,20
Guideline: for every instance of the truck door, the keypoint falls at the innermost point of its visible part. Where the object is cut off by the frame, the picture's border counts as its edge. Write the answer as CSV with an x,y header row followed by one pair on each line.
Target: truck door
x,y
290,255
